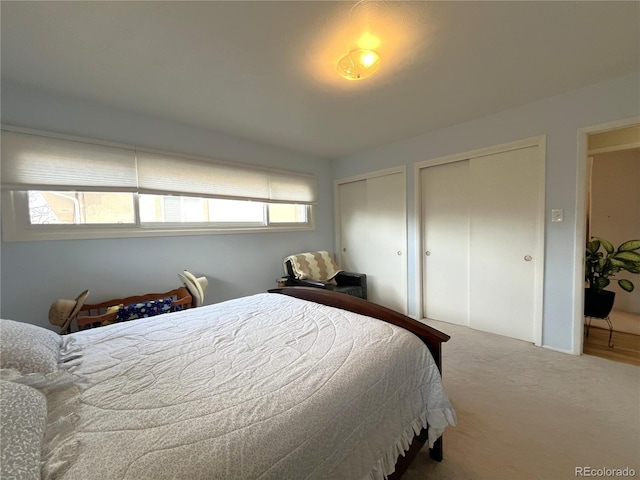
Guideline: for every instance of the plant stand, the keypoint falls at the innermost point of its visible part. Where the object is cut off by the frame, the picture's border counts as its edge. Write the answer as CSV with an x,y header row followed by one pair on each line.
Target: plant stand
x,y
606,319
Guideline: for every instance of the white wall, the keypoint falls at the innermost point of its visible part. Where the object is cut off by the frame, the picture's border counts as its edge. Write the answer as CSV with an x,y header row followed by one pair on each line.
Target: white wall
x,y
559,118
34,274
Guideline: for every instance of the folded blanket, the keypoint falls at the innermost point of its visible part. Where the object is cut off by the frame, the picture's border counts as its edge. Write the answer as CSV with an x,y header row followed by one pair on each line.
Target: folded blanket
x,y
312,266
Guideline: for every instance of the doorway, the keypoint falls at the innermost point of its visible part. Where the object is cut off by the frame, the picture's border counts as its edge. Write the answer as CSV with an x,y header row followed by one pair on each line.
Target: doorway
x,y
612,212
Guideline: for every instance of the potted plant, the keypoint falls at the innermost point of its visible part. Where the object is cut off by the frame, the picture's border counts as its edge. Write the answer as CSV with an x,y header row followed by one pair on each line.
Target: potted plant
x,y
601,267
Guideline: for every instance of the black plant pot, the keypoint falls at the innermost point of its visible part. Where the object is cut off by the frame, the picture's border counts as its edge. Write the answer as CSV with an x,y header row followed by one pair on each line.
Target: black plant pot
x,y
598,304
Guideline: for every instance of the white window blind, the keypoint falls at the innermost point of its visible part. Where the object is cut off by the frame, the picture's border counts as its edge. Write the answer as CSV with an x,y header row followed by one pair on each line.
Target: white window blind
x,y
158,174
288,187
36,162
41,162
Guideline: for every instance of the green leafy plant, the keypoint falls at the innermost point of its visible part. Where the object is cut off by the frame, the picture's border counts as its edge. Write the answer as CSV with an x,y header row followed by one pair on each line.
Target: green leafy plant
x,y
602,266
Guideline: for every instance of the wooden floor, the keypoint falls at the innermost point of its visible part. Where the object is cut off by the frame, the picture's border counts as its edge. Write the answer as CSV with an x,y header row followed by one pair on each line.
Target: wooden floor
x,y
626,347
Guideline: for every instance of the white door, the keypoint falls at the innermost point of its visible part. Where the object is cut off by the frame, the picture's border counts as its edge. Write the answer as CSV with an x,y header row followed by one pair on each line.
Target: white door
x,y
489,207
504,220
445,244
354,225
373,236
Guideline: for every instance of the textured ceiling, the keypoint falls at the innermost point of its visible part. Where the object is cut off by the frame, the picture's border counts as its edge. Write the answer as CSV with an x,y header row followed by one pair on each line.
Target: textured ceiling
x,y
265,71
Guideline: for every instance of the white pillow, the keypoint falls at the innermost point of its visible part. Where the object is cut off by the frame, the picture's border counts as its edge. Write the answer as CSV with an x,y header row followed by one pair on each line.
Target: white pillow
x,y
23,412
28,348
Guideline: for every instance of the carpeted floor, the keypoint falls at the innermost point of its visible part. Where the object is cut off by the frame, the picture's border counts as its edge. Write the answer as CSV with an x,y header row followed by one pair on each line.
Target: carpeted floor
x,y
526,412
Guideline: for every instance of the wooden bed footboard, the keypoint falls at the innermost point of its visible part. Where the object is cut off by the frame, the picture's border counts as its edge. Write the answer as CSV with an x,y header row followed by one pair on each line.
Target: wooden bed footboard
x,y
431,337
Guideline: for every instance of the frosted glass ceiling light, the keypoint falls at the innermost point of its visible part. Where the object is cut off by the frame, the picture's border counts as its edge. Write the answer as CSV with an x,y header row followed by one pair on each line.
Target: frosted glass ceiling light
x,y
358,64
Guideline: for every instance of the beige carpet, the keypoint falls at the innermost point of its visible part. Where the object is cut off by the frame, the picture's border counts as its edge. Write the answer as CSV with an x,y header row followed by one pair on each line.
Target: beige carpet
x,y
530,413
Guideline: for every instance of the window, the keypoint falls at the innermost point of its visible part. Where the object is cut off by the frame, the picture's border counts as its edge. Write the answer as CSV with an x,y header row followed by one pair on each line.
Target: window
x,y
172,209
57,187
80,208
287,213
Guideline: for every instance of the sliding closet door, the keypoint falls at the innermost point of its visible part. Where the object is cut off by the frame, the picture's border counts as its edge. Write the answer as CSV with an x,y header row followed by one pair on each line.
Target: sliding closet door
x,y
386,266
445,253
504,220
481,246
373,235
354,226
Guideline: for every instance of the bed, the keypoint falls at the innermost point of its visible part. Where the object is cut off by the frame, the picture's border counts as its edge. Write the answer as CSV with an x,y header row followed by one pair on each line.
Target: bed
x,y
297,383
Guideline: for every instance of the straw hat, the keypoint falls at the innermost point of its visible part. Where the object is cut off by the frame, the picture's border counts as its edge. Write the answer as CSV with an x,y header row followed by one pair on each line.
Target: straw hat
x,y
196,286
62,312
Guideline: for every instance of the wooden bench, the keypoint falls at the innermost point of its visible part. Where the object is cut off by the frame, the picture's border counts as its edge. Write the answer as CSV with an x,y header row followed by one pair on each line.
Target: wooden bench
x,y
97,314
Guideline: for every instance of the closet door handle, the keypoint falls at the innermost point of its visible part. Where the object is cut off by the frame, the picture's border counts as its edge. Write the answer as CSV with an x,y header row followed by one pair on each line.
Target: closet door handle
x,y
528,258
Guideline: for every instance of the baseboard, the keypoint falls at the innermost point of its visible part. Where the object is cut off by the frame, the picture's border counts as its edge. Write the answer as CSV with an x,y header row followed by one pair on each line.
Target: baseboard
x,y
561,350
600,327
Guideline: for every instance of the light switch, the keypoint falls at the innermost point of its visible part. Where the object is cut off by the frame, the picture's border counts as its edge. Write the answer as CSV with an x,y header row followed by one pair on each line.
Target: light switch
x,y
557,215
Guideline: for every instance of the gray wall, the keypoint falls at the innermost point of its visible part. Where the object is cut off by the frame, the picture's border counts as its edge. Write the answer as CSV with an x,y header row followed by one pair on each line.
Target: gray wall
x,y
559,118
34,274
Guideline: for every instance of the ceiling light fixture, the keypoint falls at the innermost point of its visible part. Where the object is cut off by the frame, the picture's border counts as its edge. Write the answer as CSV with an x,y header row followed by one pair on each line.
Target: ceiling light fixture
x,y
359,64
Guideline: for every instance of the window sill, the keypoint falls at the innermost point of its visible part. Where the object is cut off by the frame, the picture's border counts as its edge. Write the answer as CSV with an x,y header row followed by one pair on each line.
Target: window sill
x,y
94,232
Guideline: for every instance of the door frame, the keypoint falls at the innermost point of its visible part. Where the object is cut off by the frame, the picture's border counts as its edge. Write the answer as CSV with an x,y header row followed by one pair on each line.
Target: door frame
x,y
538,141
402,169
581,223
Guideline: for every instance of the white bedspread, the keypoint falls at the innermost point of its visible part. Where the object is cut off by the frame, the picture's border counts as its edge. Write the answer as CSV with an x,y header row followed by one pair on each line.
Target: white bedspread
x,y
262,387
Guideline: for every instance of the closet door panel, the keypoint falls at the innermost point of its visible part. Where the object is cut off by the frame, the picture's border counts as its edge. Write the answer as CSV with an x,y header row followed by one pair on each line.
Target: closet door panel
x,y
504,220
387,240
354,225
445,242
